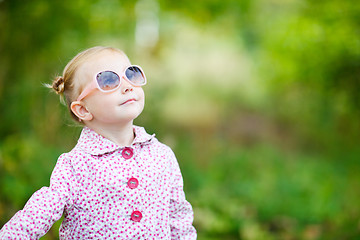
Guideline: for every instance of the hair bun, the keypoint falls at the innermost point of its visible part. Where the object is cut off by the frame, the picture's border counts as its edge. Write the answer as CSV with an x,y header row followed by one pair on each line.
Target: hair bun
x,y
59,85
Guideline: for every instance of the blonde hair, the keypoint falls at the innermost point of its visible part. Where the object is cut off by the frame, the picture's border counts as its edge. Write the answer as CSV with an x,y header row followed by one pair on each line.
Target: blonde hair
x,y
65,85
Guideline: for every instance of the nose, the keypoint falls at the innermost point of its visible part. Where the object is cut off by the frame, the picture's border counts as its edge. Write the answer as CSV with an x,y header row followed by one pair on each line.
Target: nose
x,y
126,86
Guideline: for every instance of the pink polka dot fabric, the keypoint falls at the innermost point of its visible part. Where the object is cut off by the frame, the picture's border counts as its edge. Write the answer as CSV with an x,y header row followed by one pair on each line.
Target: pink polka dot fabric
x,y
110,192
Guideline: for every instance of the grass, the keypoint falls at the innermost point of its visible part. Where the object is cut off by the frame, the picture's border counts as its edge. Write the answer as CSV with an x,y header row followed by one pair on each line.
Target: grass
x,y
261,192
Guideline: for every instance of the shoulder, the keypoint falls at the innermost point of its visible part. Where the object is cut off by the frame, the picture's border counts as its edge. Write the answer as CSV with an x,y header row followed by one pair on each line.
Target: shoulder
x,y
153,143
160,146
73,157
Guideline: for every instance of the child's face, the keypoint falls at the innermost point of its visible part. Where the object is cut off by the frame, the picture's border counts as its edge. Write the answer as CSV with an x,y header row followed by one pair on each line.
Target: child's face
x,y
120,106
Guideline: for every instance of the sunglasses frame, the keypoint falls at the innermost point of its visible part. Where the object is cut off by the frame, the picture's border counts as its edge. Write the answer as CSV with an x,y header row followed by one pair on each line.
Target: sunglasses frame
x,y
95,85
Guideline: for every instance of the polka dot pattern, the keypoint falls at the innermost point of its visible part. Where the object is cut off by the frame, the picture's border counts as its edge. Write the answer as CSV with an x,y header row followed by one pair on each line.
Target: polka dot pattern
x,y
106,193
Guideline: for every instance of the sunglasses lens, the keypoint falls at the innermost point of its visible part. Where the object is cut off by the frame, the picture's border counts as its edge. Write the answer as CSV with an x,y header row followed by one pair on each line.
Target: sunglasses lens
x,y
108,80
135,76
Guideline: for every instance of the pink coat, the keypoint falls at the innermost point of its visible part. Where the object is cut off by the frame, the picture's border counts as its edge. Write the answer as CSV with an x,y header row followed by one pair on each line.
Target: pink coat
x,y
110,192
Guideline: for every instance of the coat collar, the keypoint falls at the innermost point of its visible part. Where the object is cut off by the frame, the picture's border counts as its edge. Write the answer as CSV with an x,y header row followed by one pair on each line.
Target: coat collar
x,y
95,144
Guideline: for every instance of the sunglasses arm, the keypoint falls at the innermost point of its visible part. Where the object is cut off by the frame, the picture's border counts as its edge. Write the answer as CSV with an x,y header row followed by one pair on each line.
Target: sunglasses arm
x,y
87,90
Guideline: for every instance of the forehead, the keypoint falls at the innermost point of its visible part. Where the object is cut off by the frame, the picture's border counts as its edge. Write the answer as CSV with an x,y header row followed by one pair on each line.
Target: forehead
x,y
105,60
101,61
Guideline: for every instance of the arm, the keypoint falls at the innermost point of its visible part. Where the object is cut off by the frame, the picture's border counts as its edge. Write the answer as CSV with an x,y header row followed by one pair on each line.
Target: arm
x,y
181,213
44,207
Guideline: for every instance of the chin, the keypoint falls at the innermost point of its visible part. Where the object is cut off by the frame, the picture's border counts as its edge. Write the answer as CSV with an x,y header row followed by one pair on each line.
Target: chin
x,y
132,117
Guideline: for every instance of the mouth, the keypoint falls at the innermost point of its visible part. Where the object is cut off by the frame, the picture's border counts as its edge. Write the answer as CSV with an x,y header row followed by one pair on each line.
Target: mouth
x,y
131,100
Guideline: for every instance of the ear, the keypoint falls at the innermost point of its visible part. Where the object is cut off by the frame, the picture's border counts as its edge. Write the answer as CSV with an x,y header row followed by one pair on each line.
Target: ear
x,y
80,110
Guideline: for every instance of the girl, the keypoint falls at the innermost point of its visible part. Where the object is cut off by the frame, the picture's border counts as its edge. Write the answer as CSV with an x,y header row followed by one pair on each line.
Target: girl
x,y
118,182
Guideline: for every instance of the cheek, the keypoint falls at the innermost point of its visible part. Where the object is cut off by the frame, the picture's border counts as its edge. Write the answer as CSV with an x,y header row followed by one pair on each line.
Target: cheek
x,y
141,95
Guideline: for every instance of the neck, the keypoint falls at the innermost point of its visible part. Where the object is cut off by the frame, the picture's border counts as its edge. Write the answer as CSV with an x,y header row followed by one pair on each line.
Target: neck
x,y
122,135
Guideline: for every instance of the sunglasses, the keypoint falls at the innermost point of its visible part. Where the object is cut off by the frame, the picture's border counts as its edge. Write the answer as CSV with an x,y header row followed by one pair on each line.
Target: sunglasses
x,y
108,81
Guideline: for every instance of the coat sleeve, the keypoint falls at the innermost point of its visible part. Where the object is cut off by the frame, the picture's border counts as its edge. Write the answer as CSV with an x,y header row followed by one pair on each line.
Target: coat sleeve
x,y
181,213
44,207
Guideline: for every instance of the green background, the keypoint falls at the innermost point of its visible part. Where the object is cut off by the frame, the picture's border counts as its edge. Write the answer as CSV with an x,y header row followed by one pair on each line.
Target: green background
x,y
258,99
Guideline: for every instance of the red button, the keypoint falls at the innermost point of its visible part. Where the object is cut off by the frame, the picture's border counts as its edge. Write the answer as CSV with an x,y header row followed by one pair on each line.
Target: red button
x,y
127,153
136,216
133,183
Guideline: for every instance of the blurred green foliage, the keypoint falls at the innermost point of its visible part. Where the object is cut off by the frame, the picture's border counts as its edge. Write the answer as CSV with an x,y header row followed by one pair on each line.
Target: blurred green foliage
x,y
258,99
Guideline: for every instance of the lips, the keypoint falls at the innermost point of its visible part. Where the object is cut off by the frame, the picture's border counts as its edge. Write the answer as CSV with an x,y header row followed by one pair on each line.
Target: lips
x,y
128,101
